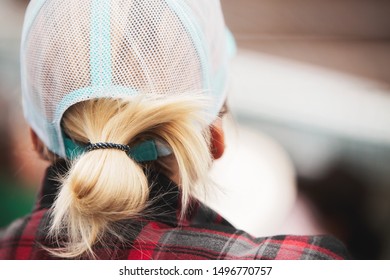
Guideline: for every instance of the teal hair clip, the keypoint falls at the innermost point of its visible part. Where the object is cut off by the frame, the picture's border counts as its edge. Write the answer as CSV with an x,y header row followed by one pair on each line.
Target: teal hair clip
x,y
146,151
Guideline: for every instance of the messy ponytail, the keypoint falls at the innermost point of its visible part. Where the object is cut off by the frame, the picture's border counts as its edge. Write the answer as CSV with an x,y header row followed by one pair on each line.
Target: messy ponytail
x,y
105,186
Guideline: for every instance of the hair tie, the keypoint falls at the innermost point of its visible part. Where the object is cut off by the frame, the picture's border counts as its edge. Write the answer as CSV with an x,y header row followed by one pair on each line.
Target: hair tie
x,y
149,150
105,145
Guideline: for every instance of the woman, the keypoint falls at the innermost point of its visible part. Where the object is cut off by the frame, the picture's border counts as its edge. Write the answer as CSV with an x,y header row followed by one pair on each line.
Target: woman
x,y
125,98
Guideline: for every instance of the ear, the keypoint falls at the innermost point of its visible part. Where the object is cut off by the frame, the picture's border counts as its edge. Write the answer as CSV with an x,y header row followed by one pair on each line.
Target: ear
x,y
34,139
37,143
40,148
217,141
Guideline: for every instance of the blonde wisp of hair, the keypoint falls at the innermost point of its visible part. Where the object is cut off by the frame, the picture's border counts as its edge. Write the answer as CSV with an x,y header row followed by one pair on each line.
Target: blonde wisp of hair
x,y
106,186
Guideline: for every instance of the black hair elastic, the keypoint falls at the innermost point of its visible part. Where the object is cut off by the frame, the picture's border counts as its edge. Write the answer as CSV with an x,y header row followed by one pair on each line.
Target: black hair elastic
x,y
97,146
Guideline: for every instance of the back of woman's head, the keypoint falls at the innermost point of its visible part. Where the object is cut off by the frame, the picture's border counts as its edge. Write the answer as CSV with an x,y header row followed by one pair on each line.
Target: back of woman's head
x,y
145,76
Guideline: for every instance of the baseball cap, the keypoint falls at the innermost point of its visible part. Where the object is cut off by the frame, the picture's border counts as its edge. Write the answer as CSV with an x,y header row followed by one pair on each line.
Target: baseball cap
x,y
77,50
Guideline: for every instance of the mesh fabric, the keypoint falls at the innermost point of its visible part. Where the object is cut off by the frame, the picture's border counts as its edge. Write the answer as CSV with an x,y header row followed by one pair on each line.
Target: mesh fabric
x,y
75,50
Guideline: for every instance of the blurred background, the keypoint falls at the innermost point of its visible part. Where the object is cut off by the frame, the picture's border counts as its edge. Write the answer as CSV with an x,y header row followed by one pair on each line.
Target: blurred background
x,y
312,75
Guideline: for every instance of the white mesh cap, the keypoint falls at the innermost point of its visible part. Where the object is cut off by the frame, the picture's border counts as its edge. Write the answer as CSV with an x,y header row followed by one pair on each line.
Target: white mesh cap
x,y
75,50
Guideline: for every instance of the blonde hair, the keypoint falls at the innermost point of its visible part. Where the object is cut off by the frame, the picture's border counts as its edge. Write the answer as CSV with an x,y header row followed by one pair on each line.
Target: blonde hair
x,y
106,186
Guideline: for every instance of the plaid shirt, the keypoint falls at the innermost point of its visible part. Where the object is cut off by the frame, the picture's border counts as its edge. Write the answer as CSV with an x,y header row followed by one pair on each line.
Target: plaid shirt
x,y
159,234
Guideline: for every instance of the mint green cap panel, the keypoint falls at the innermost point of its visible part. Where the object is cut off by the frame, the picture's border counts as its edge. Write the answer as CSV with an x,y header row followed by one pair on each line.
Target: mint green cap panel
x,y
146,151
230,43
72,150
31,13
196,35
100,53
